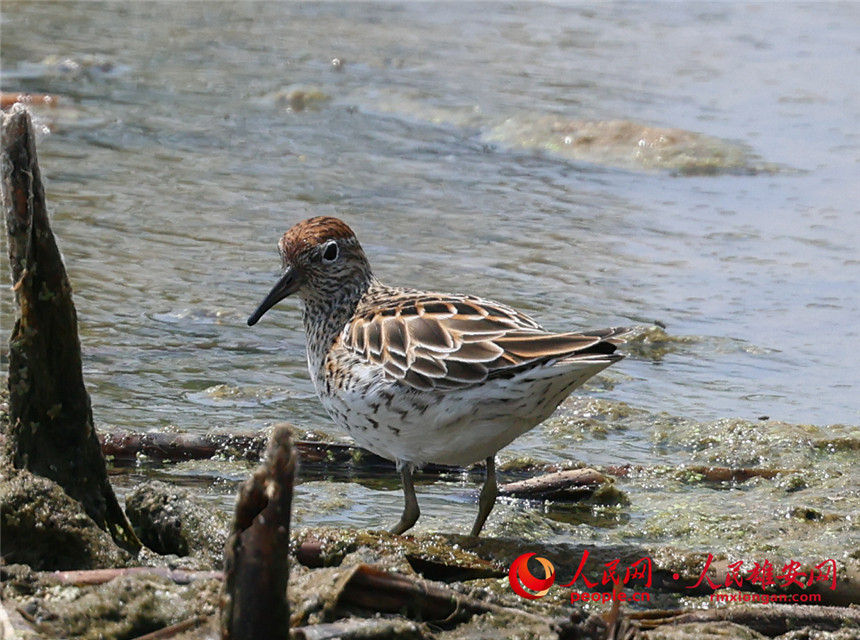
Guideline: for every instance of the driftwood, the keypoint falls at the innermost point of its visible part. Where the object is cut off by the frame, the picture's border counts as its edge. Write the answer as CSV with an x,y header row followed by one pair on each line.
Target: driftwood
x,y
174,629
41,99
369,587
256,557
388,628
570,485
126,446
769,620
52,432
100,576
372,588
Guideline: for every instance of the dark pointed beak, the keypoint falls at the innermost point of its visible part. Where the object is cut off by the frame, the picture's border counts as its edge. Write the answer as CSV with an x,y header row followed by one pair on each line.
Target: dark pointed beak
x,y
286,286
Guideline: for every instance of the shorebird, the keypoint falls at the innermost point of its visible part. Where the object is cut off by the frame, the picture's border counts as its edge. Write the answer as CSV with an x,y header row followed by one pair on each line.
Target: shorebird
x,y
419,377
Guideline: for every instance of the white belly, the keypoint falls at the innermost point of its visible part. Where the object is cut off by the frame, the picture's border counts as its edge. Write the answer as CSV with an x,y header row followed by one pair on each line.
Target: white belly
x,y
454,427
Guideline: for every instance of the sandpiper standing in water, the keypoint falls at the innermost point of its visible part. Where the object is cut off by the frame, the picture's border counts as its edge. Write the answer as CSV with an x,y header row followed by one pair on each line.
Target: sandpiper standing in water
x,y
419,377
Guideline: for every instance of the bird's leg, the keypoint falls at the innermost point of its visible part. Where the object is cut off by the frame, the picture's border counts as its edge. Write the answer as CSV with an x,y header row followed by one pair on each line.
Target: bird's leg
x,y
411,510
488,496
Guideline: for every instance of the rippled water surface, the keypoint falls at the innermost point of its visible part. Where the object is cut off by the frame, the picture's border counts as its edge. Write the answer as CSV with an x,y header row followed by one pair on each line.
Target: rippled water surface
x,y
190,136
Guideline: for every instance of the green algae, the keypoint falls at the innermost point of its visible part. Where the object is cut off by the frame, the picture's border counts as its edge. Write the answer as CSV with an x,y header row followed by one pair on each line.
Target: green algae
x,y
46,529
301,98
626,144
336,544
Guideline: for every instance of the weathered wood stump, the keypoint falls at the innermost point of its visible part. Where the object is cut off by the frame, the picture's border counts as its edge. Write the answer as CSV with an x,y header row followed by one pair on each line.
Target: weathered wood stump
x,y
52,433
256,566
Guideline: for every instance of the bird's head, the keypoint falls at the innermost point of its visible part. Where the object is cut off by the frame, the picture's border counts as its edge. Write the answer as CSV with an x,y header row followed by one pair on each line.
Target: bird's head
x,y
322,260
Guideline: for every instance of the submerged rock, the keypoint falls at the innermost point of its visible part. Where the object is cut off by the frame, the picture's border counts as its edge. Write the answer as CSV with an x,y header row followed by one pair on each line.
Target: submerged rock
x,y
627,145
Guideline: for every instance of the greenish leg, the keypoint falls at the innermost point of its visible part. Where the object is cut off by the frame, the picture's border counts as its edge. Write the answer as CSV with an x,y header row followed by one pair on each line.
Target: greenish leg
x,y
411,510
488,496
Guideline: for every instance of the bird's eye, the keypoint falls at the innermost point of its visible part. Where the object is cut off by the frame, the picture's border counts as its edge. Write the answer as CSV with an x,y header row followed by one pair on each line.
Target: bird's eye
x,y
330,252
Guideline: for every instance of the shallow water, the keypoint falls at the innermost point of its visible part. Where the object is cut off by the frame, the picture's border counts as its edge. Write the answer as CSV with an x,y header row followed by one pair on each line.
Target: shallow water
x,y
179,155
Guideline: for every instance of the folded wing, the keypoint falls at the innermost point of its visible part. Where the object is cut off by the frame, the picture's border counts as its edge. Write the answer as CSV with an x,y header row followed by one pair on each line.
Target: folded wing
x,y
447,342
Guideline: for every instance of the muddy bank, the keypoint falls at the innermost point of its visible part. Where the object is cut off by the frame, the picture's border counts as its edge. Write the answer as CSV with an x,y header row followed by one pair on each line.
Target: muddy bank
x,y
366,584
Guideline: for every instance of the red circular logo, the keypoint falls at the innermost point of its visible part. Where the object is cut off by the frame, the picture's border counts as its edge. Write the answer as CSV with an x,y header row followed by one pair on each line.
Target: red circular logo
x,y
520,576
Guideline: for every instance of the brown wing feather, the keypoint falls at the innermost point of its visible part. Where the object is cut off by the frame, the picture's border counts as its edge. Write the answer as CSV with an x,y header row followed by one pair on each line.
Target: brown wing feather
x,y
529,346
396,338
435,341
